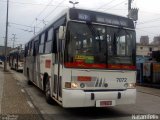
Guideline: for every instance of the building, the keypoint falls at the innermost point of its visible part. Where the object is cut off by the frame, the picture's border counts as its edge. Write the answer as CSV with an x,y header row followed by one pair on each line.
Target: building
x,y
156,40
144,40
2,50
146,50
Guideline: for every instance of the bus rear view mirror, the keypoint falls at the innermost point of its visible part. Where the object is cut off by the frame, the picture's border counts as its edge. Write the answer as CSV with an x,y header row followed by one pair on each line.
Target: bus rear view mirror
x,y
62,30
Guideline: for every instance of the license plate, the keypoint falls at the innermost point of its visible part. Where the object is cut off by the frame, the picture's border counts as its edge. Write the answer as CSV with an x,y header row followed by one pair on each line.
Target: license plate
x,y
105,103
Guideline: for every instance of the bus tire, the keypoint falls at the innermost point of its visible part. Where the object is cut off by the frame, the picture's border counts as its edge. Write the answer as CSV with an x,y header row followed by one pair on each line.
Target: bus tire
x,y
16,67
29,81
49,100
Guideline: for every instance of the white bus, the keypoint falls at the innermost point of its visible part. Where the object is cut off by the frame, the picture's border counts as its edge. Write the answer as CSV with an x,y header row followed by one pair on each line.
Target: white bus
x,y
84,58
16,58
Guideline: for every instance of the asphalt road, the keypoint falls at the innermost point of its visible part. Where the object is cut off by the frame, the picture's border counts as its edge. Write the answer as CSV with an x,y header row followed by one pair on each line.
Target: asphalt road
x,y
146,103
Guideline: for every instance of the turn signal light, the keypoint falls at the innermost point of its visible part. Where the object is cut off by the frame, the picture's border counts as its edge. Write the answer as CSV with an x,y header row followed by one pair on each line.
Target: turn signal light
x,y
67,85
131,85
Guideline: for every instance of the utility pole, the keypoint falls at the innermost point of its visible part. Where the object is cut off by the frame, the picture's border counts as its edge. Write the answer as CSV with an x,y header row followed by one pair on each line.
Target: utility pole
x,y
6,38
129,5
132,12
34,30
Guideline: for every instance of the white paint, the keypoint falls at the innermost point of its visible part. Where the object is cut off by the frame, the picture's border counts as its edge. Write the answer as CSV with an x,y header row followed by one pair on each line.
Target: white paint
x,y
22,90
30,104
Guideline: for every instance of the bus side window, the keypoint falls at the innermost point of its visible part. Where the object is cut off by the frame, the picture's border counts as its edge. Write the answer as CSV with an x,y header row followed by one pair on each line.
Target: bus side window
x,y
48,44
36,46
60,22
54,46
41,45
30,49
26,50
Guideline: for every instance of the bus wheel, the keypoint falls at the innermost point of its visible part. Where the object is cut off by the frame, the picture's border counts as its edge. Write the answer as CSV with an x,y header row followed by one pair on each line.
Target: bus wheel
x,y
29,81
48,92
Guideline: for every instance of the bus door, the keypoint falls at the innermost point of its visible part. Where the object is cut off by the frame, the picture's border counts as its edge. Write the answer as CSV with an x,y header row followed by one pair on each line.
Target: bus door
x,y
57,85
32,59
35,65
29,61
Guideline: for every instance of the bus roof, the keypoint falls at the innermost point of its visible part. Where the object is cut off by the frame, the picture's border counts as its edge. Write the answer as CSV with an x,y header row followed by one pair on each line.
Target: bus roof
x,y
97,16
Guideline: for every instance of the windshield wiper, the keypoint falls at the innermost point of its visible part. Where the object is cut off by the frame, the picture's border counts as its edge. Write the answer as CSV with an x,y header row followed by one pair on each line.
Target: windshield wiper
x,y
93,31
91,28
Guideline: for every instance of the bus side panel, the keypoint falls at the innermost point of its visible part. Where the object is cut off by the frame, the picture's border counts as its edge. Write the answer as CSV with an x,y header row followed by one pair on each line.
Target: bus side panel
x,y
36,69
45,66
29,68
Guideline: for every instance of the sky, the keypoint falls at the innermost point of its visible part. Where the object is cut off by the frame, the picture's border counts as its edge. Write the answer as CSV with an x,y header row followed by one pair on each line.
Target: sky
x,y
25,14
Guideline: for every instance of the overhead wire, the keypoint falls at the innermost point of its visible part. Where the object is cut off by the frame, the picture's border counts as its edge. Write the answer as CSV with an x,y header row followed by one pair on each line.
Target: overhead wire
x,y
148,21
115,5
23,3
149,27
106,4
22,29
44,8
53,10
22,25
146,31
41,11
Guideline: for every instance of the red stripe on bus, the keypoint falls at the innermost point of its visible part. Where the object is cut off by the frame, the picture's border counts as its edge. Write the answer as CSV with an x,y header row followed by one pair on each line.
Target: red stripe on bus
x,y
117,66
101,66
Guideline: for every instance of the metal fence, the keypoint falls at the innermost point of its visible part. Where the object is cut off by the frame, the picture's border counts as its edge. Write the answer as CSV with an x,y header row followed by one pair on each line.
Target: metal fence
x,y
148,73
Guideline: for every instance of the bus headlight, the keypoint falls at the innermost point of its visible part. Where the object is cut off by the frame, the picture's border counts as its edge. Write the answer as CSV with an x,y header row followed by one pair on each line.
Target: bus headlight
x,y
74,85
131,85
19,65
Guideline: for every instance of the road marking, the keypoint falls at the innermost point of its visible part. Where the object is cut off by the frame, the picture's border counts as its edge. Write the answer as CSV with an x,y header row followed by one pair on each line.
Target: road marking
x,y
22,91
149,93
30,104
18,83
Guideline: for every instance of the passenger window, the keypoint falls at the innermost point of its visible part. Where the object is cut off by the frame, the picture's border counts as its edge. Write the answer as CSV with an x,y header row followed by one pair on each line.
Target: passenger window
x,y
41,46
42,38
26,50
48,48
50,34
30,51
36,46
48,45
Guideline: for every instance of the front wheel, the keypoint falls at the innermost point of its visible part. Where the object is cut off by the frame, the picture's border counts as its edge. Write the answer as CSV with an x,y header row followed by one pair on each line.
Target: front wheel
x,y
48,92
28,80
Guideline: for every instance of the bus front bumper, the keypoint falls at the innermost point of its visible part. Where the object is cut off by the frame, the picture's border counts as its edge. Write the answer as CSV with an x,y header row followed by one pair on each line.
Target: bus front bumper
x,y
80,98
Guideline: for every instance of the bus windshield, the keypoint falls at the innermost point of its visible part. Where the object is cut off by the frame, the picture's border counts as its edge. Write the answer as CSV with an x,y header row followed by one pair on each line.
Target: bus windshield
x,y
97,46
